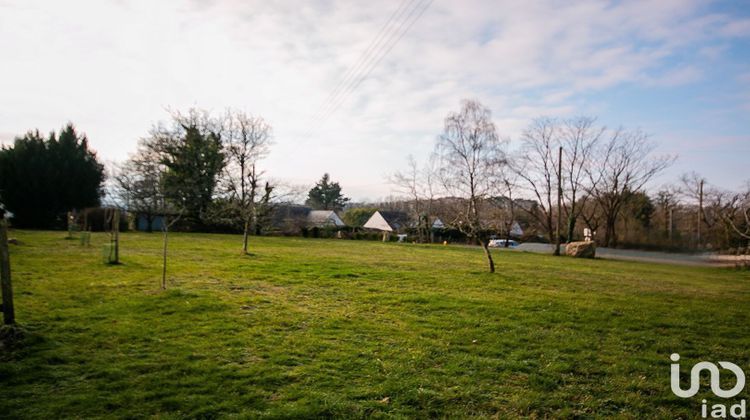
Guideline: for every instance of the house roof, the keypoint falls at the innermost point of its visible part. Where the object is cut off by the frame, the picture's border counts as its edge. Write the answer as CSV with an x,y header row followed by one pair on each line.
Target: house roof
x,y
322,218
388,221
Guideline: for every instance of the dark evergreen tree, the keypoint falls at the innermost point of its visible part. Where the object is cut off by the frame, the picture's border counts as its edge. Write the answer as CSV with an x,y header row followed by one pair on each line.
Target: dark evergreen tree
x,y
40,180
193,156
641,208
326,195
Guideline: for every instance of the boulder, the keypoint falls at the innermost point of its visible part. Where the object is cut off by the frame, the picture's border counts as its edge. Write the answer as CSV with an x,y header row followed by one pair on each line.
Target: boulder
x,y
581,249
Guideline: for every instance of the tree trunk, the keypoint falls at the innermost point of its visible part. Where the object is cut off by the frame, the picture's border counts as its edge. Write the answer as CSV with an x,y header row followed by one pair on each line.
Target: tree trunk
x,y
165,229
508,228
610,237
572,221
550,228
486,248
245,234
9,316
116,233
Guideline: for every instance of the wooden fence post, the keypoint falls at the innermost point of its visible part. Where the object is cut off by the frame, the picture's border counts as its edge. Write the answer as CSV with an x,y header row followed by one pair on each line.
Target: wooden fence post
x,y
9,316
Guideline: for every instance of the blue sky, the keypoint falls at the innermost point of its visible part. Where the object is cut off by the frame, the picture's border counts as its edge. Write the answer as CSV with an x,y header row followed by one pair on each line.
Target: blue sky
x,y
679,70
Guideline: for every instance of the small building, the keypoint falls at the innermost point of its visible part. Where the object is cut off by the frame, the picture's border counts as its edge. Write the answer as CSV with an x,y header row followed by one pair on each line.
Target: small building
x,y
324,218
142,222
516,230
387,222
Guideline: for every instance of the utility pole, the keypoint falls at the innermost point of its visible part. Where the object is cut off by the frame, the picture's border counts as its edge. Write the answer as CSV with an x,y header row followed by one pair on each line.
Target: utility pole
x,y
700,212
559,200
9,316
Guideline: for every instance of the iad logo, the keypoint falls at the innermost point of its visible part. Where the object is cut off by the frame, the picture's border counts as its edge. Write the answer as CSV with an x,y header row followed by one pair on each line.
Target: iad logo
x,y
695,374
717,410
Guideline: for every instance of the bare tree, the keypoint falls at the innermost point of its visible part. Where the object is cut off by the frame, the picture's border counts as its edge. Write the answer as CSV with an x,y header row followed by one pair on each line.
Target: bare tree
x,y
170,211
507,186
248,139
543,172
419,185
579,137
112,224
430,185
737,212
471,157
169,217
734,211
536,167
408,183
667,201
692,185
622,165
137,184
141,189
591,214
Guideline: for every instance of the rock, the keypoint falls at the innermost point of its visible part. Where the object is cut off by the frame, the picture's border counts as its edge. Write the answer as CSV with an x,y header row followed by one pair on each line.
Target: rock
x,y
581,249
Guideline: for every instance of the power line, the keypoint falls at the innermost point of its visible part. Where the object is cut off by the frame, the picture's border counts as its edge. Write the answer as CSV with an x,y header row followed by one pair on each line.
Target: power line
x,y
355,84
354,69
374,59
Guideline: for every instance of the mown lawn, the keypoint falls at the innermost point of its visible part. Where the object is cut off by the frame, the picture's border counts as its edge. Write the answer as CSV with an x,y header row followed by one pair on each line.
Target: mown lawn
x,y
336,328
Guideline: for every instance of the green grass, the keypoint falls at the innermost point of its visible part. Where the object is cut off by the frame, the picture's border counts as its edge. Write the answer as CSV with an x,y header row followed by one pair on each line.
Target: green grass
x,y
336,328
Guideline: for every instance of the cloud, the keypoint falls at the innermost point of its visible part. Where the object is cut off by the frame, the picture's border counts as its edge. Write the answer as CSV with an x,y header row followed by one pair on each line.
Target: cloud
x,y
113,67
676,77
737,28
744,78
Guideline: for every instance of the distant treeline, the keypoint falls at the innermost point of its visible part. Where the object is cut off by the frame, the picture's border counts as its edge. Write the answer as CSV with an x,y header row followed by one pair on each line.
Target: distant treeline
x,y
569,177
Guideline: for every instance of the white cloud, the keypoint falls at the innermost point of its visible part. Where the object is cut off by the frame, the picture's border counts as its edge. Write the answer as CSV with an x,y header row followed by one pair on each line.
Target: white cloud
x,y
112,68
737,28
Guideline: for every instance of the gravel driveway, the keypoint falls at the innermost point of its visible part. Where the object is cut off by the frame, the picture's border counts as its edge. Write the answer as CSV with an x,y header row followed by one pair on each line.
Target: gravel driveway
x,y
704,259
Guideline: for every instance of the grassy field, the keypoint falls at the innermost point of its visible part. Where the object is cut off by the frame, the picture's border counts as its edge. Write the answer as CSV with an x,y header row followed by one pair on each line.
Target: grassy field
x,y
335,328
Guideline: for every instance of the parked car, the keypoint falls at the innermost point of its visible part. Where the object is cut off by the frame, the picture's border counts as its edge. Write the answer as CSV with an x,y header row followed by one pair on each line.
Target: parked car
x,y
500,243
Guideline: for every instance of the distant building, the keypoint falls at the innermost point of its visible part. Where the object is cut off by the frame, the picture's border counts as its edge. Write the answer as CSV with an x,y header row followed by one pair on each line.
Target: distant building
x,y
292,219
141,222
324,218
387,221
515,230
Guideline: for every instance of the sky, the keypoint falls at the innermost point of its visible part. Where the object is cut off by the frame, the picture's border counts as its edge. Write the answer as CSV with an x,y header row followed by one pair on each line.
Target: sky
x,y
678,70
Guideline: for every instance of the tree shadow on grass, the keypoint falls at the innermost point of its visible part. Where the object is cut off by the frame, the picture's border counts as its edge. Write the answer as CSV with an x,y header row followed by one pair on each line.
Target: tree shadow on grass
x,y
11,337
